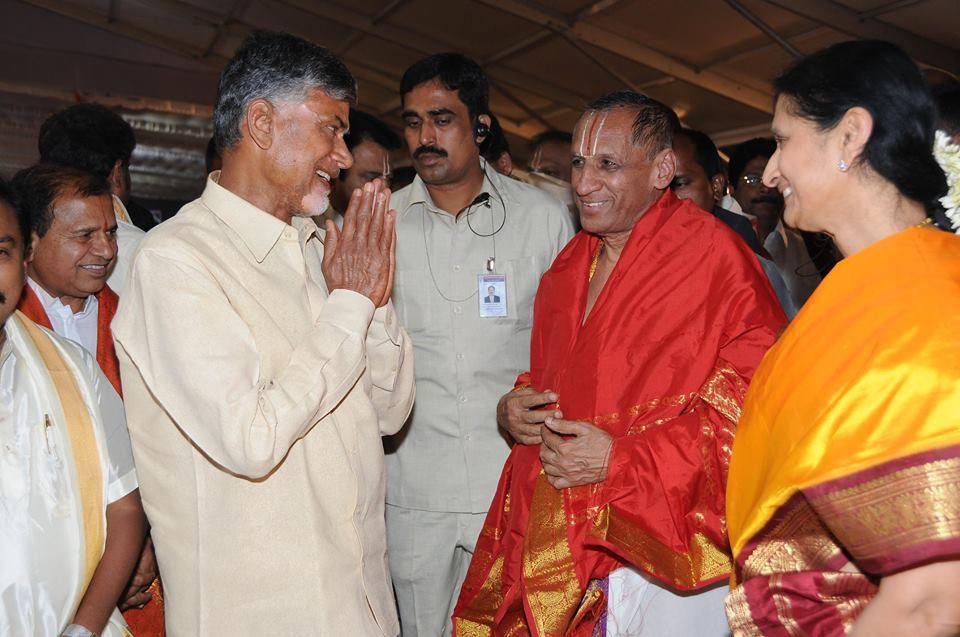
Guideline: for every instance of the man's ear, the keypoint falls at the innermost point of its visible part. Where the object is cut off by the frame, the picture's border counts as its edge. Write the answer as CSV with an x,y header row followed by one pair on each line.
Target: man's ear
x,y
261,122
718,183
115,178
31,251
486,121
664,168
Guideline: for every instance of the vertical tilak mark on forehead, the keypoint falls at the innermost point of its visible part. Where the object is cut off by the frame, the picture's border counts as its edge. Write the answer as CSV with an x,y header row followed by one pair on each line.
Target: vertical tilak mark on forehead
x,y
596,133
590,134
535,160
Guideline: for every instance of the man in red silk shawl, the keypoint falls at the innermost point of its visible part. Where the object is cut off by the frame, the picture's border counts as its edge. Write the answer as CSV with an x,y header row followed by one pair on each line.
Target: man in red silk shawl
x,y
74,252
647,330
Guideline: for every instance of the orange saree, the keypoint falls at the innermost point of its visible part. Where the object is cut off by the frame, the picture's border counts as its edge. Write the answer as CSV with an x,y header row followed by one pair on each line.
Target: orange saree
x,y
662,364
847,460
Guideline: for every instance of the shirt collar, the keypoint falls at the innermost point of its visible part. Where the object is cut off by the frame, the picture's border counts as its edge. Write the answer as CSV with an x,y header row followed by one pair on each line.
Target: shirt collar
x,y
53,304
258,229
494,185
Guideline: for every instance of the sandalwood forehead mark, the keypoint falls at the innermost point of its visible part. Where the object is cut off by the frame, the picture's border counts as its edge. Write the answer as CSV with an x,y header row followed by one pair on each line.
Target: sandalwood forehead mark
x,y
590,133
535,160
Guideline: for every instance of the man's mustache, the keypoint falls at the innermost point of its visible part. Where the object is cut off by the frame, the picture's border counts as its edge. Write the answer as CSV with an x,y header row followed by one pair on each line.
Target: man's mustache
x,y
429,150
774,199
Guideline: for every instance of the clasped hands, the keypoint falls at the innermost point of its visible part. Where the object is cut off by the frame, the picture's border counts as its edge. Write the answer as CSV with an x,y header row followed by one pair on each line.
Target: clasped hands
x,y
362,256
572,453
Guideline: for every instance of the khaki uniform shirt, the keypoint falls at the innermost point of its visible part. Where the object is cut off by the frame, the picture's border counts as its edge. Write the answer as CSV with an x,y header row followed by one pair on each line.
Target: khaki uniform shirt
x,y
256,402
449,456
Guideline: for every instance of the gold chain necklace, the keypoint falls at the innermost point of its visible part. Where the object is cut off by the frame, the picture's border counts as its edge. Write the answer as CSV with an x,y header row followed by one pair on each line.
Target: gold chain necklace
x,y
926,222
595,262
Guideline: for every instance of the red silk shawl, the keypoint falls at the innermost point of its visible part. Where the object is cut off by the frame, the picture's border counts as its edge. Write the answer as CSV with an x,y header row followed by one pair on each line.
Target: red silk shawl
x,y
662,364
107,300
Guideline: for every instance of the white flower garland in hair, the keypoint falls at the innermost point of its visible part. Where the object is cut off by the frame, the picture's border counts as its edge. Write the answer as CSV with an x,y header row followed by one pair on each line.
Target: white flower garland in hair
x,y
948,156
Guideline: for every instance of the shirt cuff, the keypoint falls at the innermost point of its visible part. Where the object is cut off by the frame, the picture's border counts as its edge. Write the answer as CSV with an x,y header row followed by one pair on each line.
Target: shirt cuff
x,y
387,316
122,486
348,310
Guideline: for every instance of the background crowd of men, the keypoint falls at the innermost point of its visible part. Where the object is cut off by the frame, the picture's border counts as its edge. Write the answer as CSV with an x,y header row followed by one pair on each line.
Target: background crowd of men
x,y
319,369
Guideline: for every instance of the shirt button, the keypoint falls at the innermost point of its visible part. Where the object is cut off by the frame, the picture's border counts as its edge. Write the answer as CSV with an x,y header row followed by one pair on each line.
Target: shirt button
x,y
460,357
457,309
456,268
467,438
462,398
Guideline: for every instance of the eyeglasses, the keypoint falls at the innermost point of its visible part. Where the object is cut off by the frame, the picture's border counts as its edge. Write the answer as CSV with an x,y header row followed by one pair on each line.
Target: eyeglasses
x,y
752,179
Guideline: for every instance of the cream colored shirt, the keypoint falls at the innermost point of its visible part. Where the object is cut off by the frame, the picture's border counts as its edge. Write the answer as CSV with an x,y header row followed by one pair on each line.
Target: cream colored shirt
x,y
449,455
256,402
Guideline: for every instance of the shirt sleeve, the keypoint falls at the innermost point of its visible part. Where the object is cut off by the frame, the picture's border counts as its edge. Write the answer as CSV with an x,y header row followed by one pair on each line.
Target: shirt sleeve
x,y
390,360
200,361
121,474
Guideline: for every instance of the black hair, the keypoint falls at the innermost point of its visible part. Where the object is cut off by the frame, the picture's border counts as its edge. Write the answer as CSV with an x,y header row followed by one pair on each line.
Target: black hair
x,y
210,154
553,135
457,73
742,154
948,109
495,144
655,123
90,137
38,187
364,126
704,151
275,66
8,197
881,78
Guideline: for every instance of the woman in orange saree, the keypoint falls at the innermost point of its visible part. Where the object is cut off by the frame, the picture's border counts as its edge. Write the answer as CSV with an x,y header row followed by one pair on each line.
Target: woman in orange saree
x,y
843,500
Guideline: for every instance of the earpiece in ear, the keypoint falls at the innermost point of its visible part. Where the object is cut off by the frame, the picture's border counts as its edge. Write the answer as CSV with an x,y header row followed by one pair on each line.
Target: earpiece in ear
x,y
481,130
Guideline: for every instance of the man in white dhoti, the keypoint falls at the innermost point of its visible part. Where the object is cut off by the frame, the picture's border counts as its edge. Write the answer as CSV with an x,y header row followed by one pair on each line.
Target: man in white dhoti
x,y
71,525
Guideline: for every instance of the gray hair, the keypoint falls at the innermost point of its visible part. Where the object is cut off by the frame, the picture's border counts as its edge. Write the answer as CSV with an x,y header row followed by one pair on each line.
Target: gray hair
x,y
655,124
276,67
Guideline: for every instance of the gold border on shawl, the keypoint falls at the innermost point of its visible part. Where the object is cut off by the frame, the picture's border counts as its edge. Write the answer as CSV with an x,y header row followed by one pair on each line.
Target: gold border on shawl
x,y
83,446
476,620
724,390
550,580
705,562
895,512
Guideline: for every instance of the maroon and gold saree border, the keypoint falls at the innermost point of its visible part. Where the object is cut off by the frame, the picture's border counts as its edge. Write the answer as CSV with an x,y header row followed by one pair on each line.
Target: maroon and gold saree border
x,y
896,514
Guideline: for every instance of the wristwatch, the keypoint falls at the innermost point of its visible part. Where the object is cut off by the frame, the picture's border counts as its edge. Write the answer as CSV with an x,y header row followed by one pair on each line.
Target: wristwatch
x,y
76,630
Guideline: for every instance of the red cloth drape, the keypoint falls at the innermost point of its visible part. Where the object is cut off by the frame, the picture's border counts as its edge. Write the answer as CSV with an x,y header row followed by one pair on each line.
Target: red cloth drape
x,y
661,363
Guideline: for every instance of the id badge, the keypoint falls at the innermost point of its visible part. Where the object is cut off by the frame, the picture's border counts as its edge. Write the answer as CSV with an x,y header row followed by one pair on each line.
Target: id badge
x,y
492,292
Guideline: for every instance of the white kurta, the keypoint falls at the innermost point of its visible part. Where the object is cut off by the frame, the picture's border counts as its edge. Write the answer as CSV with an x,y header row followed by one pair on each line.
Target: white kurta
x,y
79,327
41,532
637,606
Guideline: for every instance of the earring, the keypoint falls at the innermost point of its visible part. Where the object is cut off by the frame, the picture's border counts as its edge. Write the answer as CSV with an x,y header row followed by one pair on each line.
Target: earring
x,y
843,166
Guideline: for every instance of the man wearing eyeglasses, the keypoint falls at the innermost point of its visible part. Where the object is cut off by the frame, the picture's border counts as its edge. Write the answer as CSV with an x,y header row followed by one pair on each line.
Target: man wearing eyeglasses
x,y
786,247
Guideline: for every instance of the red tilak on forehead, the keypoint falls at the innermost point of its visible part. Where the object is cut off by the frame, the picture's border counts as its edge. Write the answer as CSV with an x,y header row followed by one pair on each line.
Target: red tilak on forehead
x,y
590,133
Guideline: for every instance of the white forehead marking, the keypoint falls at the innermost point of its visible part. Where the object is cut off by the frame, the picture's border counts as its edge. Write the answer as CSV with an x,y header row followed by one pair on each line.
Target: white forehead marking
x,y
590,134
587,125
596,135
535,160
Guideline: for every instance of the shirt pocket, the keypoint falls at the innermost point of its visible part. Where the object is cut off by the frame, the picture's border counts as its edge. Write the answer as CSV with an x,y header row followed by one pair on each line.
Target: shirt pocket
x,y
523,277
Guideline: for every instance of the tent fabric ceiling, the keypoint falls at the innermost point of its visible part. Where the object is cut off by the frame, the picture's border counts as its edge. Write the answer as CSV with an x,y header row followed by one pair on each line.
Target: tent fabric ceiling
x,y
711,60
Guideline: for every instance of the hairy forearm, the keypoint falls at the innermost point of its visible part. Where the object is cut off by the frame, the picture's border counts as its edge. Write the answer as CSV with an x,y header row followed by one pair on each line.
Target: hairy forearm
x,y
126,528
